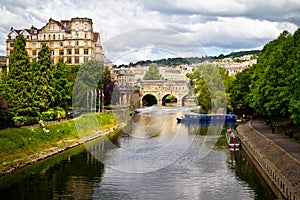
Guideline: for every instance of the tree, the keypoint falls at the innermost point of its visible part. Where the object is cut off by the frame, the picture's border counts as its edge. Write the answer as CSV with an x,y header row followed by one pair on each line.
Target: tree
x,y
61,86
5,110
19,84
207,82
239,92
152,73
86,84
42,80
107,85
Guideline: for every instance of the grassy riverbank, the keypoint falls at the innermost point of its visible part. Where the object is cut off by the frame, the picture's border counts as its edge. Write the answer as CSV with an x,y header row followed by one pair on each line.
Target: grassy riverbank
x,y
18,145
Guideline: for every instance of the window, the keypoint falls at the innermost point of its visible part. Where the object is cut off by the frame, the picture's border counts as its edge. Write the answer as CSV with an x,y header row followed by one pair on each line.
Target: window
x,y
59,36
86,59
61,52
69,51
12,45
34,37
61,44
77,60
85,27
85,36
44,37
69,43
69,60
51,44
53,36
77,27
77,51
77,43
52,52
85,43
49,37
86,52
34,52
76,35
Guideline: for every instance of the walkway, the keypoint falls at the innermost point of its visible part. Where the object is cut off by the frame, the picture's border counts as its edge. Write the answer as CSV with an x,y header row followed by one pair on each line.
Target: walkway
x,y
289,146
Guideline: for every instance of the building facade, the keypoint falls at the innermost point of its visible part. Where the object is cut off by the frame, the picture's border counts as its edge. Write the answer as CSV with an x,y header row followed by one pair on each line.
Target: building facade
x,y
74,41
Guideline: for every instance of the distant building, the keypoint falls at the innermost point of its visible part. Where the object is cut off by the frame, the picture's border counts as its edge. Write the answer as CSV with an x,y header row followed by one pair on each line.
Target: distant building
x,y
74,41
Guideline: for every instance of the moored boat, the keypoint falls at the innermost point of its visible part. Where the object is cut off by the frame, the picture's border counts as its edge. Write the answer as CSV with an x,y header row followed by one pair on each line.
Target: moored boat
x,y
194,117
232,139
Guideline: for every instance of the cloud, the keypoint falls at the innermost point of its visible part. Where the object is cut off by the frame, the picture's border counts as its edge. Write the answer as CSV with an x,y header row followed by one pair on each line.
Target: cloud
x,y
216,25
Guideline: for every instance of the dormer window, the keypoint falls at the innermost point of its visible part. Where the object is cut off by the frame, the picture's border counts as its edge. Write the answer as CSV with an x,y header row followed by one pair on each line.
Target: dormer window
x,y
85,27
77,27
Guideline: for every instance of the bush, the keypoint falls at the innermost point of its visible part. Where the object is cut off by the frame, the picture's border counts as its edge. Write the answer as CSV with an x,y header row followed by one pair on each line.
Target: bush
x,y
52,114
24,120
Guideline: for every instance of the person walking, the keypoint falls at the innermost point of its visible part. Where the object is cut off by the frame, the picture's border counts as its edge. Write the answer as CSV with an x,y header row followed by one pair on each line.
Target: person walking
x,y
273,127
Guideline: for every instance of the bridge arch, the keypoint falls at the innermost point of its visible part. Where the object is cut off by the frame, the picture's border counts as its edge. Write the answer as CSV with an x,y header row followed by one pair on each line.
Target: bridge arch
x,y
168,98
149,100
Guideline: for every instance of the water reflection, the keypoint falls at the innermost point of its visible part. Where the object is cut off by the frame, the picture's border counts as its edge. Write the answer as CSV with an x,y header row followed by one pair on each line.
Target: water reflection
x,y
146,143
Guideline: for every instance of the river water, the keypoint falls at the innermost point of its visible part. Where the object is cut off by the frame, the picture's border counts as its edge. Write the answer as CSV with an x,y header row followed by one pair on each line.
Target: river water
x,y
152,158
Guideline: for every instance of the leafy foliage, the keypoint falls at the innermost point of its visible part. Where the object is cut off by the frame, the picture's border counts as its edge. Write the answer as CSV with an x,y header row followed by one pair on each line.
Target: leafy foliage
x,y
152,73
209,84
42,93
87,82
61,86
272,86
19,83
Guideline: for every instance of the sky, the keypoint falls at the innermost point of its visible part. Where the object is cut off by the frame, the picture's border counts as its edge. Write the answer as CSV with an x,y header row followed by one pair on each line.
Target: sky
x,y
152,29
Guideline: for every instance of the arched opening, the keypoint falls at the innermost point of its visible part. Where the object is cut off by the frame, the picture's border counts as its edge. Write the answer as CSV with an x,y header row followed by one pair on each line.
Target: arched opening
x,y
189,101
169,100
149,100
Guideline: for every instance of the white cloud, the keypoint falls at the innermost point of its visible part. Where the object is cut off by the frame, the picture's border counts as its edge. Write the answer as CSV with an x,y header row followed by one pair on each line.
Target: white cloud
x,y
218,25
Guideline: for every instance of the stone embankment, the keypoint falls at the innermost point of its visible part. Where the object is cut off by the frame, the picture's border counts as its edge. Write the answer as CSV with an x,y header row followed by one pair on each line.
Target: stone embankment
x,y
279,167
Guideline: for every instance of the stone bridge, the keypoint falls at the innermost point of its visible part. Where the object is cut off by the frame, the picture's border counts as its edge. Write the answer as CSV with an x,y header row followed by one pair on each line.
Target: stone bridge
x,y
161,89
158,90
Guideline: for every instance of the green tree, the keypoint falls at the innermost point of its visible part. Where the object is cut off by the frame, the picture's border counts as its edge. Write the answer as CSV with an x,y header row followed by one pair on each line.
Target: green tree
x,y
152,73
107,86
20,86
61,86
239,92
5,111
43,91
269,92
208,85
86,84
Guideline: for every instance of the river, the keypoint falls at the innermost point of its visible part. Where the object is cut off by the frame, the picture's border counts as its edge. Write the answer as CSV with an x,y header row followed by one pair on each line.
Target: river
x,y
152,158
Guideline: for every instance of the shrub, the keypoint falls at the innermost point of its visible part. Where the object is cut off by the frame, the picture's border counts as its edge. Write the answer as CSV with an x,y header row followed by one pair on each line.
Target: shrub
x,y
52,113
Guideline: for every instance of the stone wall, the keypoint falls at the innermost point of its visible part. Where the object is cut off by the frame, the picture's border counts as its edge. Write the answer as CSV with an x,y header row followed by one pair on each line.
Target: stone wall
x,y
280,170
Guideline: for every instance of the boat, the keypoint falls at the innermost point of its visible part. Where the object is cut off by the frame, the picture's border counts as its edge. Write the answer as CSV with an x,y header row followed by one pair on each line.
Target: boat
x,y
194,117
232,139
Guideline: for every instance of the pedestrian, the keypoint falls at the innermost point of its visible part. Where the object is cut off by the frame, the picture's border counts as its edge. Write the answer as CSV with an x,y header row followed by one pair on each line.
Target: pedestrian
x,y
273,127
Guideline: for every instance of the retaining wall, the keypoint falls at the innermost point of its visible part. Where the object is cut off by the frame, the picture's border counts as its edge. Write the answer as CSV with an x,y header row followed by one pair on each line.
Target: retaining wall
x,y
280,170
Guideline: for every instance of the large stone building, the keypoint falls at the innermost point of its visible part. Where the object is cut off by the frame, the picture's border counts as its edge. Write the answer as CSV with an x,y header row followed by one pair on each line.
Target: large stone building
x,y
74,41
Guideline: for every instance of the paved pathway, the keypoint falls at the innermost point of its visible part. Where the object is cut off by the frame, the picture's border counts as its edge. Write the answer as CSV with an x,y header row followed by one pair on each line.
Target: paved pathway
x,y
289,146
